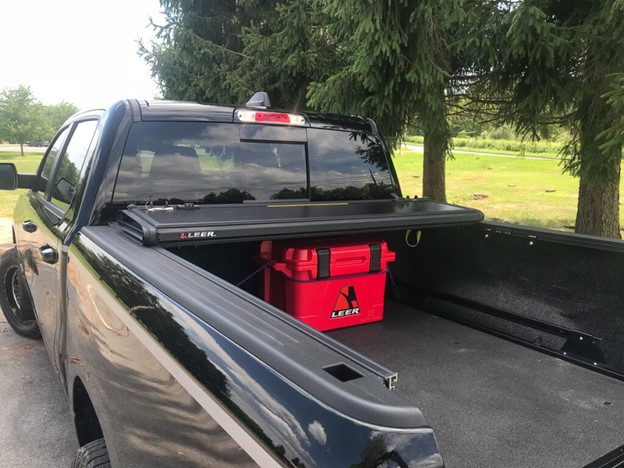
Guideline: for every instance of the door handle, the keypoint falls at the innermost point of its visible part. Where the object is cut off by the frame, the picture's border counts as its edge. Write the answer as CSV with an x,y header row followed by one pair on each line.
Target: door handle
x,y
29,226
49,254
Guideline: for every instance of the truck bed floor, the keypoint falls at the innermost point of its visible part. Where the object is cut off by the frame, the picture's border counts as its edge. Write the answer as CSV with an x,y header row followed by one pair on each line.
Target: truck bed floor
x,y
491,402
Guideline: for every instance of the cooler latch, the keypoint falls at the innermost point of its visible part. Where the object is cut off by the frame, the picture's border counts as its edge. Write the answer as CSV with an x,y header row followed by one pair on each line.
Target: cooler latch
x,y
323,263
375,258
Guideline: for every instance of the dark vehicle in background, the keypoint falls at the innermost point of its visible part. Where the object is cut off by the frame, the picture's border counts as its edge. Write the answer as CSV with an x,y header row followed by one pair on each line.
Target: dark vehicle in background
x,y
38,143
155,255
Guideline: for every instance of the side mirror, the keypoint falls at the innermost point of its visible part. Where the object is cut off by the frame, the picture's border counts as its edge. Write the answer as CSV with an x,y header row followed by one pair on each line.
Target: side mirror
x,y
8,176
64,191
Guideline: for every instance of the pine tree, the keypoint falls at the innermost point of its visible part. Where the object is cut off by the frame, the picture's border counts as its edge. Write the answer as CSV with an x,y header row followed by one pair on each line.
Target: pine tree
x,y
286,52
200,46
559,64
403,60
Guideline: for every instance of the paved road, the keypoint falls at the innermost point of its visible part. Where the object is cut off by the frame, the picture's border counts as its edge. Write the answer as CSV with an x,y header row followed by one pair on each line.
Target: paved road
x,y
5,233
27,149
35,424
420,149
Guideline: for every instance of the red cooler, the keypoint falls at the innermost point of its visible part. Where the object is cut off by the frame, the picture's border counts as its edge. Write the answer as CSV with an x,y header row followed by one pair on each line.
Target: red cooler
x,y
327,283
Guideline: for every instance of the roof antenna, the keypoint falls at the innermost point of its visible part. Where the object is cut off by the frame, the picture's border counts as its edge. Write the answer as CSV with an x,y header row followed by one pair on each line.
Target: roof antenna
x,y
260,99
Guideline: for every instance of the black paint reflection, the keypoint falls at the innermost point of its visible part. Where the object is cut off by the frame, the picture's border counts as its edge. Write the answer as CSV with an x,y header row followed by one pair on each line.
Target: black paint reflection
x,y
148,310
172,336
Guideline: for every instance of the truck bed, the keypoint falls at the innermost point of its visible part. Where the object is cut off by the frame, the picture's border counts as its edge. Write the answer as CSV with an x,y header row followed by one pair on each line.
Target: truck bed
x,y
492,402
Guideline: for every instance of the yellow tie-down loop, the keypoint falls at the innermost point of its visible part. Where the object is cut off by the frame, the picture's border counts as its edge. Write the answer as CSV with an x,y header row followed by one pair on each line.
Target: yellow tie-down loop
x,y
407,236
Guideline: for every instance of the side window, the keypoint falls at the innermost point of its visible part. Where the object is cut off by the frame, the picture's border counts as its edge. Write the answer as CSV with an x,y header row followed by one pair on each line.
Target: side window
x,y
48,162
69,166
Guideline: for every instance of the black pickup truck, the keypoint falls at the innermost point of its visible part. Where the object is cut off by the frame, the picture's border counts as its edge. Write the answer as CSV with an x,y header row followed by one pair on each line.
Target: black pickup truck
x,y
161,245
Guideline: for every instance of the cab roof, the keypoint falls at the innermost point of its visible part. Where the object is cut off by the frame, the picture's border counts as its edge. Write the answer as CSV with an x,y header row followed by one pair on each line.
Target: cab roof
x,y
157,110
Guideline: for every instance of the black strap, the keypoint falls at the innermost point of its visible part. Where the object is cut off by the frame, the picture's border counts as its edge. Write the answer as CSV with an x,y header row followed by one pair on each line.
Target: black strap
x,y
323,263
375,257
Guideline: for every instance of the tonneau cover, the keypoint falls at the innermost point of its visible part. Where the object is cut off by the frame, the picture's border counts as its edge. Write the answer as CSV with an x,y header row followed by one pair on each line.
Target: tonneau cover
x,y
173,225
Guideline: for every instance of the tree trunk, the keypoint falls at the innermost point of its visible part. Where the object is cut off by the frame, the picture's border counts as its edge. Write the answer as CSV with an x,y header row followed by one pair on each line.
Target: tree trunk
x,y
434,167
598,211
598,208
22,148
434,159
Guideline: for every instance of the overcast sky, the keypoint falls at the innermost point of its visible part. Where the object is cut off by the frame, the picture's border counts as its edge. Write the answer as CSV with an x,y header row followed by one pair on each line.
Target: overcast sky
x,y
79,51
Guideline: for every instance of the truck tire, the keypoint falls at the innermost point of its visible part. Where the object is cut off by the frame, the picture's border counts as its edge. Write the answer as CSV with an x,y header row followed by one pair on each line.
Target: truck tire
x,y
11,299
92,455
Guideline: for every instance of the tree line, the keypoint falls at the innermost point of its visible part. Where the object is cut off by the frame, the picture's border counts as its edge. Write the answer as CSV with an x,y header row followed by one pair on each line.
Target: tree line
x,y
25,120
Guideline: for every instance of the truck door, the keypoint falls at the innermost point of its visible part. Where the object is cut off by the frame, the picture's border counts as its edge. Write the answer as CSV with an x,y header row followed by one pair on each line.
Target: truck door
x,y
43,222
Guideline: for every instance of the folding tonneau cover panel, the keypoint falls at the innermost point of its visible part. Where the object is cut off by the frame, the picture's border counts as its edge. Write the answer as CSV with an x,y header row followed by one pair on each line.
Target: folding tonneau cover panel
x,y
184,224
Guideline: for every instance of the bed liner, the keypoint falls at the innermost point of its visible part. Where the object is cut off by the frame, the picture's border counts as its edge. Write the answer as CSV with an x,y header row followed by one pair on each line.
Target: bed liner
x,y
493,402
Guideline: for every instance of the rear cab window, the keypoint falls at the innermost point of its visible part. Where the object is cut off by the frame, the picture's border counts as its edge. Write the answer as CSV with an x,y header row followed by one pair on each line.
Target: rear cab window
x,y
206,163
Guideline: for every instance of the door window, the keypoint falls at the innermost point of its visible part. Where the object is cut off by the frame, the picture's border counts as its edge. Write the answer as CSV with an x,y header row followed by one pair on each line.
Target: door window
x,y
48,161
70,164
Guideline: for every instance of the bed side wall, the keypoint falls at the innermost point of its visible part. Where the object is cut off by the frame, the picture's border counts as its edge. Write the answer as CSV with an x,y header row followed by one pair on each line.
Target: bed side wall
x,y
561,279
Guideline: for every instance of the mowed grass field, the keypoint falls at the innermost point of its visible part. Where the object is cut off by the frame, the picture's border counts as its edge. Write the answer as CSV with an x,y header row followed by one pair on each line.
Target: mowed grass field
x,y
29,163
512,189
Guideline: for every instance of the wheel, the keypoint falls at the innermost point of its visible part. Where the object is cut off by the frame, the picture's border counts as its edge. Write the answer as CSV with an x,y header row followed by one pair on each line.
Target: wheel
x,y
92,455
11,298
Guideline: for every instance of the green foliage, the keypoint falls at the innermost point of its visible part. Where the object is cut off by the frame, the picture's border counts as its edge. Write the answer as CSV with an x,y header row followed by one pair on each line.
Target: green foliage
x,y
395,59
505,146
21,117
555,63
222,52
612,138
287,52
199,46
559,64
502,132
403,63
55,115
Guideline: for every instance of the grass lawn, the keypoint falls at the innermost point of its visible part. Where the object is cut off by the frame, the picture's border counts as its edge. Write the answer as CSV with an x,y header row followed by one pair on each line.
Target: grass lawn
x,y
516,190
27,163
511,189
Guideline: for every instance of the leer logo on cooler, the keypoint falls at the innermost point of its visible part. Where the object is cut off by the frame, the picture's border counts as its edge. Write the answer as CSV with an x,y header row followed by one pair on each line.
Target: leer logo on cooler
x,y
346,303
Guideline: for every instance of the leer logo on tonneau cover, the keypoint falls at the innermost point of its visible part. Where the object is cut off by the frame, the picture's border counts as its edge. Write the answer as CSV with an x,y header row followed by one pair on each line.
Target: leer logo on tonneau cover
x,y
197,235
346,303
